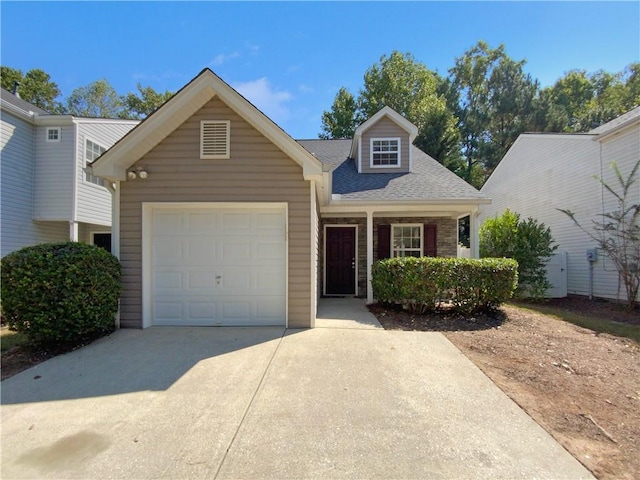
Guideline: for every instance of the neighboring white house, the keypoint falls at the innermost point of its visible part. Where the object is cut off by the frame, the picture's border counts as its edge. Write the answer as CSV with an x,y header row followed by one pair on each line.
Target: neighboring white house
x,y
544,172
46,196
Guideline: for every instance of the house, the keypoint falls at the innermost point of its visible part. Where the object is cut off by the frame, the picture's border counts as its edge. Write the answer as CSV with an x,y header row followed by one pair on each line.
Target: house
x,y
46,194
223,219
542,173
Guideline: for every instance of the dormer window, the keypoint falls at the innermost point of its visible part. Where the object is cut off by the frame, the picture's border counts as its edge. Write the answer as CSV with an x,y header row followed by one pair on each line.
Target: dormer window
x,y
385,152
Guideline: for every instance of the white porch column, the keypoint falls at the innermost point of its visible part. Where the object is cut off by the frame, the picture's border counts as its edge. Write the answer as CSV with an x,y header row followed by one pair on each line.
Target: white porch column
x,y
73,231
369,255
473,235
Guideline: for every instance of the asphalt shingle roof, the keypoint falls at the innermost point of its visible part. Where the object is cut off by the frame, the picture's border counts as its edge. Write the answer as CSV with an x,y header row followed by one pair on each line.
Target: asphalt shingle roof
x,y
428,181
625,117
20,103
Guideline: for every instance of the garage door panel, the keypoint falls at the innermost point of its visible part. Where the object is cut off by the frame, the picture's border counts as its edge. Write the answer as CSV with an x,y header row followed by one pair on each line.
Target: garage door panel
x,y
204,223
218,266
168,223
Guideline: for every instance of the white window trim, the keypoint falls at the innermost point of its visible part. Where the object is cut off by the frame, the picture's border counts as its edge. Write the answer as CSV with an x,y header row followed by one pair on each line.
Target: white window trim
x,y
85,162
378,139
421,227
227,153
53,140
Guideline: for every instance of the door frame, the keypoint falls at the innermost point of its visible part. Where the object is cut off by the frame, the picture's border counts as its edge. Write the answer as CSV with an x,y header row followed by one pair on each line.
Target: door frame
x,y
147,241
324,260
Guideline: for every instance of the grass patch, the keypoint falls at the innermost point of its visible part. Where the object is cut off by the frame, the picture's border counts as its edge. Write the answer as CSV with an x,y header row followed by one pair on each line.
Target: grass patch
x,y
9,339
591,322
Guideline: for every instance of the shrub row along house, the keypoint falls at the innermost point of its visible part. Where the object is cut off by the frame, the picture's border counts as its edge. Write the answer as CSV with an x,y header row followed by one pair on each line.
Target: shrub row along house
x,y
544,172
47,196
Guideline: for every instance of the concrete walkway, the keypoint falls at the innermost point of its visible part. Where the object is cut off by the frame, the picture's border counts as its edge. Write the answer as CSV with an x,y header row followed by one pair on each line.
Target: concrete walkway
x,y
233,403
345,313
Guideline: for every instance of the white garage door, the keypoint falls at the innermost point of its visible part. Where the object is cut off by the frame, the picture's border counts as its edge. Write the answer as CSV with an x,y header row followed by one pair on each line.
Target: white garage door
x,y
218,266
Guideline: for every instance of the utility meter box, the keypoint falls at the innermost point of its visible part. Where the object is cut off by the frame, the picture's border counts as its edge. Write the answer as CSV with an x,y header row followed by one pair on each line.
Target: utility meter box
x,y
592,255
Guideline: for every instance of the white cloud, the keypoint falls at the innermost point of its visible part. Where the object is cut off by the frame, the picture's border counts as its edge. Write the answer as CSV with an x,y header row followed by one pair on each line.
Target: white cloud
x,y
306,88
223,58
270,101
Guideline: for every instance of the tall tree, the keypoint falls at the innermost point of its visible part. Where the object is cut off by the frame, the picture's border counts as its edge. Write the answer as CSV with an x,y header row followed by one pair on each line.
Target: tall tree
x,y
35,87
341,121
98,99
580,101
496,105
143,103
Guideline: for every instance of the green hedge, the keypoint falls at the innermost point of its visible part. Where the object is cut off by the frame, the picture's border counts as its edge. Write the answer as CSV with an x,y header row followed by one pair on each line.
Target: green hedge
x,y
60,295
425,283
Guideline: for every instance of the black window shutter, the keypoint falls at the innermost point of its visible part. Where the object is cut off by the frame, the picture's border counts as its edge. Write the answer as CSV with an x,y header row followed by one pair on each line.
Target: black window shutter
x,y
384,241
430,243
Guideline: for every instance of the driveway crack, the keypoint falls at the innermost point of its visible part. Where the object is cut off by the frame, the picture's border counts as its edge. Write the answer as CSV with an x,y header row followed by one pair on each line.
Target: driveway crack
x,y
246,411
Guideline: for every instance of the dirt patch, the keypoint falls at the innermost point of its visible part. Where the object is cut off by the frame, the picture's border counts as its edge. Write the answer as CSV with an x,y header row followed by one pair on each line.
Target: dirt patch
x,y
18,359
582,387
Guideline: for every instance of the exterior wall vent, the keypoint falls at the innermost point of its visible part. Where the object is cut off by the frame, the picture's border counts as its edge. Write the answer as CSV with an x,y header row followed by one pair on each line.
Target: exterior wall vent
x,y
214,139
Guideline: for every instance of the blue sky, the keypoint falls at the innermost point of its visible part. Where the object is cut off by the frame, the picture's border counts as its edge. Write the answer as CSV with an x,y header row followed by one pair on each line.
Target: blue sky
x,y
290,59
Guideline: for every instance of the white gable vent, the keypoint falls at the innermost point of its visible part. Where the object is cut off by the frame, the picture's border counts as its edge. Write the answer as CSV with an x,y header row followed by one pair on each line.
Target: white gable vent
x,y
214,138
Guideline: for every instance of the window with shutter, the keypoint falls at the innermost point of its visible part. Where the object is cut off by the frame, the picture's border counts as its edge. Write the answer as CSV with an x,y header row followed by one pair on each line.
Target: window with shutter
x,y
214,139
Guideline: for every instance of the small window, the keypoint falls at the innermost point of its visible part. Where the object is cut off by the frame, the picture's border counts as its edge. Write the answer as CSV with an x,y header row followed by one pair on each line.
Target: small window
x,y
406,240
385,152
214,139
53,134
92,151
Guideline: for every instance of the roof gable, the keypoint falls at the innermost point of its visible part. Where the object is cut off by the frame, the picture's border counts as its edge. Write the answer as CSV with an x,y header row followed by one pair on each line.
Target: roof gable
x,y
114,162
390,113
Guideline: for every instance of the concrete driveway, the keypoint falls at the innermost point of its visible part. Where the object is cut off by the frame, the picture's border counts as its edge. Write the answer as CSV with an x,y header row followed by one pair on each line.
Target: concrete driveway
x,y
236,403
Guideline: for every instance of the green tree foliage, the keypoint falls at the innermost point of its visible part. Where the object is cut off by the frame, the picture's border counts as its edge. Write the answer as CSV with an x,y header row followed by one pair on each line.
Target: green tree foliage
x,y
528,242
143,103
617,233
35,87
581,101
407,86
496,104
98,99
342,120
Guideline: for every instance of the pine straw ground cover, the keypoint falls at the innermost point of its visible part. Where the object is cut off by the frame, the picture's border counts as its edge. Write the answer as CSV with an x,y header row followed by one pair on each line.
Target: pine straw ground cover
x,y
583,387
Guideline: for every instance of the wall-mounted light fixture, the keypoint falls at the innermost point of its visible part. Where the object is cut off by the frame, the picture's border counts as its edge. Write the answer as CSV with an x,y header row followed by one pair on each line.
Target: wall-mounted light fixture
x,y
137,172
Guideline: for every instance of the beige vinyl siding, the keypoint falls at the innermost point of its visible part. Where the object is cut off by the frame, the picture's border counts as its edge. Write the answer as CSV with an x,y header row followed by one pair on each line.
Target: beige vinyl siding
x,y
542,173
385,128
17,189
54,170
94,201
256,172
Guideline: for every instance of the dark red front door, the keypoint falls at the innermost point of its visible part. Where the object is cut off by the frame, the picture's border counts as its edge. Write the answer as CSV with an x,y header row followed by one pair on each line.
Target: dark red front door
x,y
340,261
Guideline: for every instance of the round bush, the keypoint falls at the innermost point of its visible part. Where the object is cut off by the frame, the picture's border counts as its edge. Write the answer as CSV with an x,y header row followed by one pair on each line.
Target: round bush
x,y
60,295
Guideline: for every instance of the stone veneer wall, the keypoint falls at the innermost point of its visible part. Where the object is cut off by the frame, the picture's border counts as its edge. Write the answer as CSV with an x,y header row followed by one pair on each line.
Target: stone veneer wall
x,y
447,238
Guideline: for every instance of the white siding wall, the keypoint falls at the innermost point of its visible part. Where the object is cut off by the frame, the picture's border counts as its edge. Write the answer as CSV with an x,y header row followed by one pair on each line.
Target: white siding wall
x,y
17,189
94,201
542,173
54,169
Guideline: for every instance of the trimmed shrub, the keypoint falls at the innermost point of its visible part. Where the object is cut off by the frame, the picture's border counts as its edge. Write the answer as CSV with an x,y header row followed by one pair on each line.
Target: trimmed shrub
x,y
61,295
426,283
528,242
